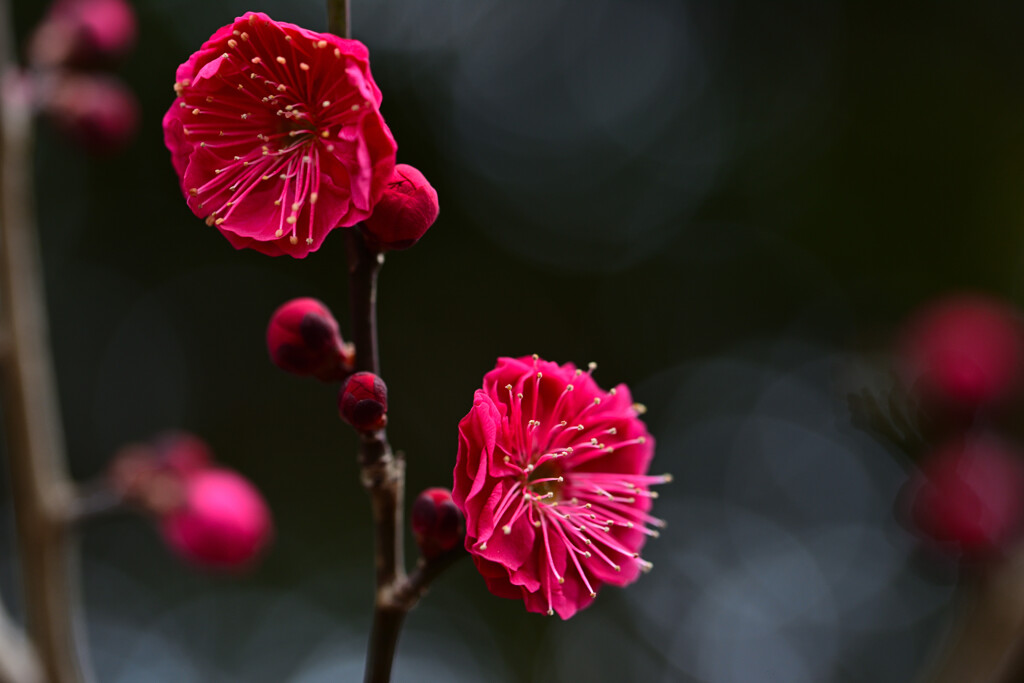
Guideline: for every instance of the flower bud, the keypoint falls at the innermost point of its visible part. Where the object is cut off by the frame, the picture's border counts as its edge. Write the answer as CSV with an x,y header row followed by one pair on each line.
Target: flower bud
x,y
436,522
363,402
968,496
224,522
182,452
97,112
964,351
303,339
153,476
406,209
83,33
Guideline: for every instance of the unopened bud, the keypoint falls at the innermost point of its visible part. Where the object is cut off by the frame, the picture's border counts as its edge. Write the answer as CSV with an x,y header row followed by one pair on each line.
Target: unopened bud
x,y
182,452
98,112
964,351
303,338
968,497
153,476
224,522
436,522
83,33
363,401
405,211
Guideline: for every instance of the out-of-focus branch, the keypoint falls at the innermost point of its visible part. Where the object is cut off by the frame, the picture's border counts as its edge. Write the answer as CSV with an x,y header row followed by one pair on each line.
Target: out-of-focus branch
x,y
339,18
41,490
18,661
986,644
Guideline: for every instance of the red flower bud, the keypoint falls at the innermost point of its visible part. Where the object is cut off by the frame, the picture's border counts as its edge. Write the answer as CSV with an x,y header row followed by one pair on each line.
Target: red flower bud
x,y
436,522
97,112
363,402
303,339
182,452
964,351
83,33
968,496
406,209
153,476
224,522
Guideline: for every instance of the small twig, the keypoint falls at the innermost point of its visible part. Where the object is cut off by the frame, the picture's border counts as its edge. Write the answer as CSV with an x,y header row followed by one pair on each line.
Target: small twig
x,y
95,500
409,592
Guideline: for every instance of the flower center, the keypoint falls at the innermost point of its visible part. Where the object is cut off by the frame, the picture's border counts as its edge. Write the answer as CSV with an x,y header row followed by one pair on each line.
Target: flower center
x,y
544,480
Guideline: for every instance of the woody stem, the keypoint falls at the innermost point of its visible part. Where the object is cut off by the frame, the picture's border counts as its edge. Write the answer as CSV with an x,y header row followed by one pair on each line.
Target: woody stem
x,y
42,492
383,474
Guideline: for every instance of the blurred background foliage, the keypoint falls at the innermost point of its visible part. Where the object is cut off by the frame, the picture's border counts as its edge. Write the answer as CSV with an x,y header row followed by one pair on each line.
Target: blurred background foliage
x,y
723,204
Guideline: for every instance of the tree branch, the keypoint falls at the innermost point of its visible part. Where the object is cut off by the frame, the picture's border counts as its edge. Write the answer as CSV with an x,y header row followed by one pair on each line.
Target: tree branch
x,y
41,489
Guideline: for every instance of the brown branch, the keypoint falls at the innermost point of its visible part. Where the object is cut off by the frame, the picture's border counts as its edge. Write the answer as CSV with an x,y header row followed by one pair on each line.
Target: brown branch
x,y
339,18
985,644
41,489
18,661
383,474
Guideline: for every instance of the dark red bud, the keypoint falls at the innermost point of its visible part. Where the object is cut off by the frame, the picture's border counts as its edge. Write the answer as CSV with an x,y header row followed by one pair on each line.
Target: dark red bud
x,y
98,112
436,522
406,210
968,496
154,476
83,33
363,401
964,351
303,338
182,452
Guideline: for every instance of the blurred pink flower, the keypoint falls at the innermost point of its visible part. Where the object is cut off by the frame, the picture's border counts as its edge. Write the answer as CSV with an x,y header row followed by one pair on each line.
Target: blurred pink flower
x,y
551,476
964,350
83,33
968,495
276,135
99,113
223,523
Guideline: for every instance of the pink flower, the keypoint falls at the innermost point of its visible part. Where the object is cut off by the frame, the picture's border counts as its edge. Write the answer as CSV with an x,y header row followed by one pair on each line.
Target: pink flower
x,y
551,476
969,496
83,33
964,350
405,212
277,136
97,112
223,522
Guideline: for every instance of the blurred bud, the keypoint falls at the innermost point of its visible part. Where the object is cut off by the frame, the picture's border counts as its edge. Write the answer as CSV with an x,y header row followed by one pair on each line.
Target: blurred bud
x,y
436,522
363,401
98,112
964,351
968,496
153,476
182,452
83,33
303,338
406,209
223,523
